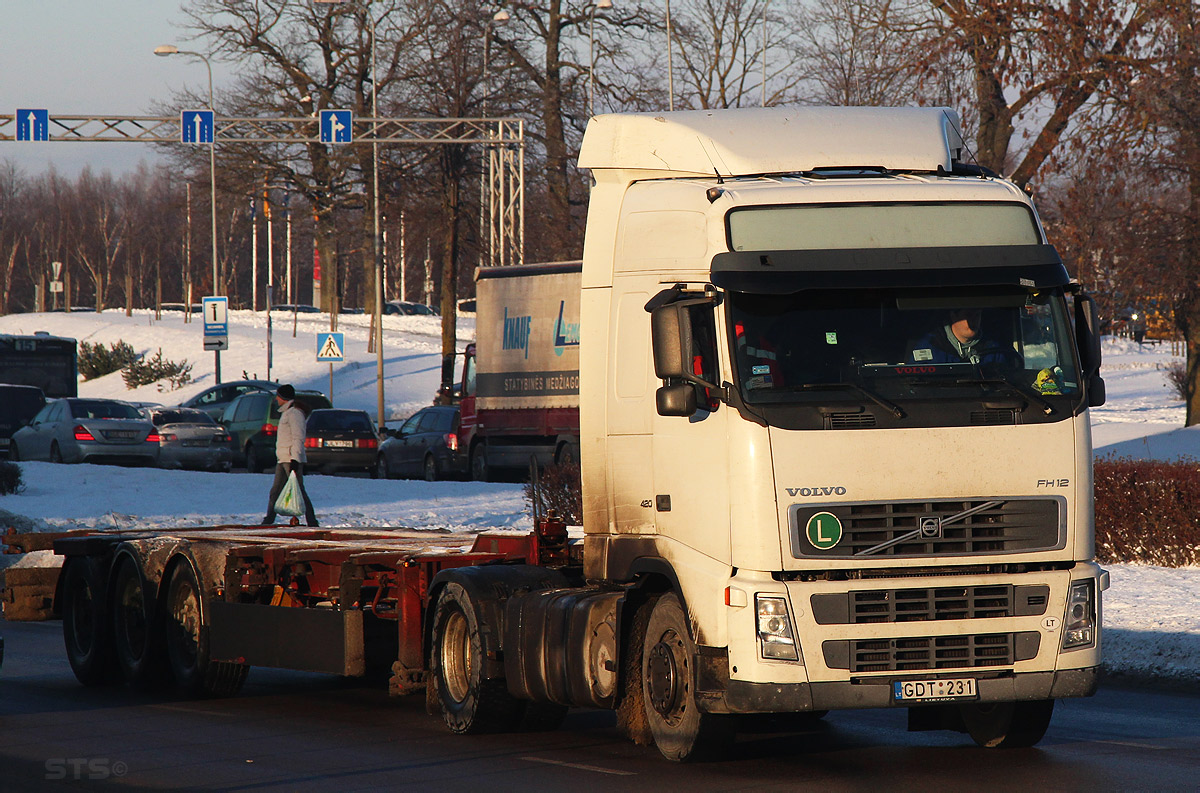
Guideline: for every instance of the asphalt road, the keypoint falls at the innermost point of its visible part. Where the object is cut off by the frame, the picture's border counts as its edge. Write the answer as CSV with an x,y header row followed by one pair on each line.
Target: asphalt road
x,y
298,732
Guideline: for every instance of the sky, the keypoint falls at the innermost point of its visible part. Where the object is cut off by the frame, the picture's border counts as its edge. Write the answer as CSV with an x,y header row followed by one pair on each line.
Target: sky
x,y
1151,614
92,57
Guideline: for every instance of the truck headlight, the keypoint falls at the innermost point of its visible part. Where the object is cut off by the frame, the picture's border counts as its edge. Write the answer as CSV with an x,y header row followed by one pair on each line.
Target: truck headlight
x,y
775,637
1079,624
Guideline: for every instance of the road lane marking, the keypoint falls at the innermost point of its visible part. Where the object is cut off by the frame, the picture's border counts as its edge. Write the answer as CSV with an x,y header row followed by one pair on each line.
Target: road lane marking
x,y
580,766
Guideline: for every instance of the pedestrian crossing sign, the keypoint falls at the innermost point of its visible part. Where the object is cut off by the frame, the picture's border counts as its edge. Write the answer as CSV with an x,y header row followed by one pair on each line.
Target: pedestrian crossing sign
x,y
329,347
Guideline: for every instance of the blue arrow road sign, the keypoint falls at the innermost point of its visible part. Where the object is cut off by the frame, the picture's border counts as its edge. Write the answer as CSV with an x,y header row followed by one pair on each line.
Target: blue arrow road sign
x,y
196,126
330,346
33,124
335,126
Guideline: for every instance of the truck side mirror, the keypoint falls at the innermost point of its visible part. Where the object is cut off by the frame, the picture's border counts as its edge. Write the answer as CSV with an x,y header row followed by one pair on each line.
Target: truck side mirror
x,y
678,399
671,334
671,338
1087,335
1087,338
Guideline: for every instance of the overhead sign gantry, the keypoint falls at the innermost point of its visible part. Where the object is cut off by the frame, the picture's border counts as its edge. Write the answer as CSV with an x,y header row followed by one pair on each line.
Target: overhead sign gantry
x,y
504,139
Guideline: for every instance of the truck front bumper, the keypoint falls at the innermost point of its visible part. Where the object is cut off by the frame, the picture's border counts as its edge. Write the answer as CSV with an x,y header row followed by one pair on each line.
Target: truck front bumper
x,y
743,697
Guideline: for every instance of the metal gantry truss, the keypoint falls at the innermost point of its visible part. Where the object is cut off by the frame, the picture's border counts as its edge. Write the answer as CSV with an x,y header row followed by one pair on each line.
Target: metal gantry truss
x,y
504,139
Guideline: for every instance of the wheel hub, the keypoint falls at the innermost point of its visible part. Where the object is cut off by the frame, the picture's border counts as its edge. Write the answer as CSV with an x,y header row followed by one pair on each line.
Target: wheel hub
x,y
663,678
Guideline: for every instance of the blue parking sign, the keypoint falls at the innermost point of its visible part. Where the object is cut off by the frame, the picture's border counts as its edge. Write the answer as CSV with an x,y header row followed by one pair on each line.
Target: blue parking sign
x,y
196,126
336,126
33,124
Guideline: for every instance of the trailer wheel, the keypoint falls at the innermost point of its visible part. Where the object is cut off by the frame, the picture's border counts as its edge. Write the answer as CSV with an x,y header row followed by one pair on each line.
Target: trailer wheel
x,y
479,463
86,632
682,731
136,638
470,703
187,643
1007,725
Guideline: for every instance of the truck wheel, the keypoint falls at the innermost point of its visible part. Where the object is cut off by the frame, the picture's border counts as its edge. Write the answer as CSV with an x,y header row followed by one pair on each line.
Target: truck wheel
x,y
187,643
253,466
470,704
431,469
138,643
86,632
682,731
1007,725
479,463
568,454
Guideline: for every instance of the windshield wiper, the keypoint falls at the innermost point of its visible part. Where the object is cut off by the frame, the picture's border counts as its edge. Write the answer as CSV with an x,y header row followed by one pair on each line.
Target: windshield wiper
x,y
891,407
1001,380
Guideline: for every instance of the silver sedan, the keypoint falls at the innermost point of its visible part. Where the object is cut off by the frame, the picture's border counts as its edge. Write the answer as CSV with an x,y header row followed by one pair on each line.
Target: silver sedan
x,y
76,430
190,438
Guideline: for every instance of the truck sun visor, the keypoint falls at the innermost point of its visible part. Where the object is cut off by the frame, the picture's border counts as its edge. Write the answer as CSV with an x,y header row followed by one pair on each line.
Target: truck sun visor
x,y
775,272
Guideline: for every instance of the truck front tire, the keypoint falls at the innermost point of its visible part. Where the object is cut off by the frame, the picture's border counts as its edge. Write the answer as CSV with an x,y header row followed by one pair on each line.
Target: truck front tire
x,y
681,730
1007,725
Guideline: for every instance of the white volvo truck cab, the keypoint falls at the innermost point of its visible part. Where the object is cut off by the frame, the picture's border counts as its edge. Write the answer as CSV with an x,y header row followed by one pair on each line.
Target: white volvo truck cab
x,y
834,415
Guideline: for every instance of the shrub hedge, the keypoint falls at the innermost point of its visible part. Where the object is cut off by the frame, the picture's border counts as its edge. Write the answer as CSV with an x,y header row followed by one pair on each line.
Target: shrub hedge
x,y
1148,511
556,487
10,478
96,360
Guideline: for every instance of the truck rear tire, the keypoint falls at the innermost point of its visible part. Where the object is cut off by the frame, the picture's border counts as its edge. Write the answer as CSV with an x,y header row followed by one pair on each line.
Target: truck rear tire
x,y
681,730
86,631
470,703
136,638
1007,725
187,643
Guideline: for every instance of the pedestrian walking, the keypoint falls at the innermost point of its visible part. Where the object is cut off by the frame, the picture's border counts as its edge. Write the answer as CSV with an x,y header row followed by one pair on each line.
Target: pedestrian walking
x,y
289,452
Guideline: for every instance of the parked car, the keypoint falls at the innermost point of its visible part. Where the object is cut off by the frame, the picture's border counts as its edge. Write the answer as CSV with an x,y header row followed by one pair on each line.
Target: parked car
x,y
425,445
77,430
18,404
299,308
252,421
404,307
190,438
215,399
341,440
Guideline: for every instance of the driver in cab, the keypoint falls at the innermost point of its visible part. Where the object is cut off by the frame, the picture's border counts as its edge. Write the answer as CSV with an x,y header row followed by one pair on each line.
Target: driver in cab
x,y
961,340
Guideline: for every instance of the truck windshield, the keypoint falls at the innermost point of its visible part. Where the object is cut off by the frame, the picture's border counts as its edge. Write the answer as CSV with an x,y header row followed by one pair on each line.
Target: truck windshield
x,y
905,354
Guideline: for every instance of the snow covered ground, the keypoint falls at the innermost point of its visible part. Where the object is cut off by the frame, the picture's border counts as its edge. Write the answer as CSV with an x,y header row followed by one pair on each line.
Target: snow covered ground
x,y
1151,614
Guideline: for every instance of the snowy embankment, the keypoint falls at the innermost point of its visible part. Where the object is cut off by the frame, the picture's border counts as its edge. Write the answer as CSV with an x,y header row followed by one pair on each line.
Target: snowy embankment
x,y
1151,614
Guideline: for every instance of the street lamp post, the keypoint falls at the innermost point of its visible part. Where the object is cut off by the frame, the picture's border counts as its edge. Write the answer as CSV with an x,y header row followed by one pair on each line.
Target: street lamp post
x,y
670,70
171,49
766,4
597,6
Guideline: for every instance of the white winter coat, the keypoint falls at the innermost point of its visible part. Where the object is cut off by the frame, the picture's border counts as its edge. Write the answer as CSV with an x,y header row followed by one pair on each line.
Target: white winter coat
x,y
289,443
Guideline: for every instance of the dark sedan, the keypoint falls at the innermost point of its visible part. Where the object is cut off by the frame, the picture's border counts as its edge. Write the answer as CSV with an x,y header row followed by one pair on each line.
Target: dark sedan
x,y
426,445
341,440
190,438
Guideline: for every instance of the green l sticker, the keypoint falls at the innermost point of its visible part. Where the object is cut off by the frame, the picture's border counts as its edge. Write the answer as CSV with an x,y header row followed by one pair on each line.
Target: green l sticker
x,y
824,530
